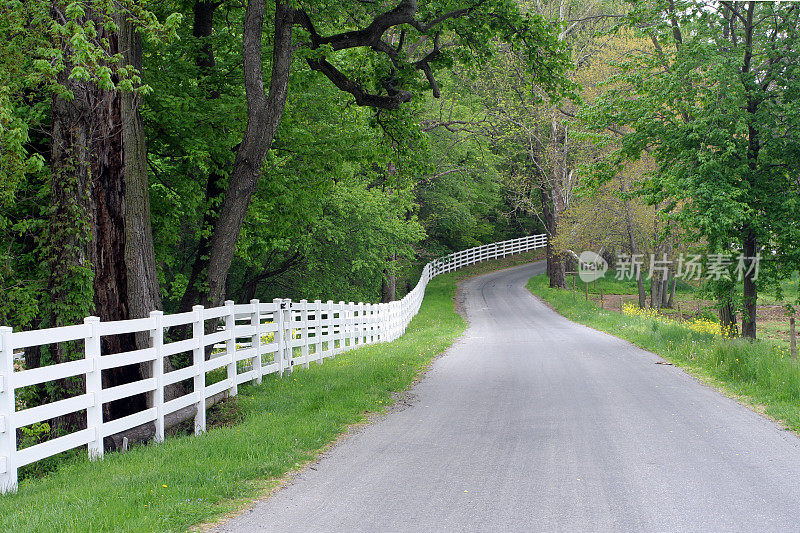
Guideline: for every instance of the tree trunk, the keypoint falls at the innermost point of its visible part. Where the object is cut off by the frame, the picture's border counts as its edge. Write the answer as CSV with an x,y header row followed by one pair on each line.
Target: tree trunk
x,y
203,28
88,190
655,294
111,273
671,300
632,244
724,291
664,291
98,151
640,287
388,287
113,168
68,237
143,287
749,290
727,317
389,284
263,116
556,264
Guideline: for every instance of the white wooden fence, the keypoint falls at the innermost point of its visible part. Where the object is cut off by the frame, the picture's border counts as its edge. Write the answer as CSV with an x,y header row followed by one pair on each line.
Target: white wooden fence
x,y
259,338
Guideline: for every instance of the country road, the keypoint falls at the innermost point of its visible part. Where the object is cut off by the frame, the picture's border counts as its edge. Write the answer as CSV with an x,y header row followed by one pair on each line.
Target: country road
x,y
533,423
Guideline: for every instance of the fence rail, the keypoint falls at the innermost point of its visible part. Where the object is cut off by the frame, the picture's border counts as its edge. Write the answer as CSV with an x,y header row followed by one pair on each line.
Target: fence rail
x,y
256,339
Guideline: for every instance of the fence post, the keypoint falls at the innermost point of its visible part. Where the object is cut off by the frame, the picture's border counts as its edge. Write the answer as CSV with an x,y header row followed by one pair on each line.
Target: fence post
x,y
343,326
199,360
680,314
392,320
344,329
366,332
94,387
8,432
353,324
329,330
288,337
230,346
277,318
368,324
157,342
602,303
304,332
357,334
376,321
374,309
792,339
380,322
255,341
318,331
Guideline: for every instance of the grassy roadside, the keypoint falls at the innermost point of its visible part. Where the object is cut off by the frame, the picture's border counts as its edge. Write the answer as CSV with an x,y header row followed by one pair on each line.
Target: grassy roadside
x,y
284,423
759,373
694,301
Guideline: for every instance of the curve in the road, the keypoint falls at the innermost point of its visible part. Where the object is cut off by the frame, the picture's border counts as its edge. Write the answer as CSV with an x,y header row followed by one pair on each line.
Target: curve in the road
x,y
533,423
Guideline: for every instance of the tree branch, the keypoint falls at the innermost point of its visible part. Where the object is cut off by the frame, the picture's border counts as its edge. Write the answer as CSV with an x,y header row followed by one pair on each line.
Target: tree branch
x,y
372,36
363,98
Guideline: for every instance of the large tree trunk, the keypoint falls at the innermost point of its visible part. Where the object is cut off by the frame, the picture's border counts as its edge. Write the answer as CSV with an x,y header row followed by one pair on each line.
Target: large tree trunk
x,y
143,290
110,269
69,236
263,117
556,263
99,179
143,287
88,191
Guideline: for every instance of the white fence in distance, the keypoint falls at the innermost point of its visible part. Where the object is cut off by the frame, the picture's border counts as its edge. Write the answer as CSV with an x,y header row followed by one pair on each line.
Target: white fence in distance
x,y
259,338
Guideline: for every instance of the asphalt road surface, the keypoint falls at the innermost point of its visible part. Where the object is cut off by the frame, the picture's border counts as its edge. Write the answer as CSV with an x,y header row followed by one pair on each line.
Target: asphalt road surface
x,y
533,423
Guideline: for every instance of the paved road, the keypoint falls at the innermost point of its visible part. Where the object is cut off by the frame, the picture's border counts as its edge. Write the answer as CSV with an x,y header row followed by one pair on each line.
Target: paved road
x,y
533,423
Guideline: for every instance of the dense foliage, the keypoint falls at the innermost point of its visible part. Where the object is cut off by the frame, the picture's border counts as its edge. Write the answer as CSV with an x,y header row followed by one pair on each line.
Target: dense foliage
x,y
714,103
349,193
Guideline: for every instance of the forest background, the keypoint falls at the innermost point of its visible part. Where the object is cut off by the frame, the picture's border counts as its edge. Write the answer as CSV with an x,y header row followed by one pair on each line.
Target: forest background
x,y
159,155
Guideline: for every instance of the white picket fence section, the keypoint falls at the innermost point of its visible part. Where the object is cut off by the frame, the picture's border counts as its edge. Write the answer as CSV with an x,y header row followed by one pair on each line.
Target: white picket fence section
x,y
259,338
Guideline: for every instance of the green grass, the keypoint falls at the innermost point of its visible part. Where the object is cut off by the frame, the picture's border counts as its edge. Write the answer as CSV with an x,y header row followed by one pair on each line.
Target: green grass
x,y
790,292
694,299
759,373
284,423
610,285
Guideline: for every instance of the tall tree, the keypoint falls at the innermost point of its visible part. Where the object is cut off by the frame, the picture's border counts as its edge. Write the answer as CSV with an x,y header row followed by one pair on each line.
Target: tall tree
x,y
83,77
417,30
715,105
539,134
